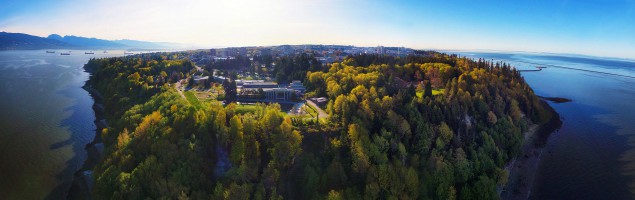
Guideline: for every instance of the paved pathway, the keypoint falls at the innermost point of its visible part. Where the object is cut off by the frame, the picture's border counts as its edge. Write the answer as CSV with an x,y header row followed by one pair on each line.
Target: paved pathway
x,y
321,113
178,88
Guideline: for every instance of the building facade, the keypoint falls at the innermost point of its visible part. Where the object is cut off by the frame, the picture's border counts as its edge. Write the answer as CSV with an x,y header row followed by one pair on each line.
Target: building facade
x,y
279,94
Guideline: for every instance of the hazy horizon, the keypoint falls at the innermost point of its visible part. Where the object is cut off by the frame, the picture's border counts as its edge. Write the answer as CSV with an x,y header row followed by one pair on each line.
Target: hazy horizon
x,y
602,29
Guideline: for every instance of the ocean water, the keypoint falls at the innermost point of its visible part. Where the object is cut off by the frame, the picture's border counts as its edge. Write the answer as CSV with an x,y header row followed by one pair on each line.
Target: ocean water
x,y
46,119
593,155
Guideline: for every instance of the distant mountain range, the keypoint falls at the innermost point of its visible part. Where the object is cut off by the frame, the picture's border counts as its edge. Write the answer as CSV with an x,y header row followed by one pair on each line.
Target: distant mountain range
x,y
14,41
21,41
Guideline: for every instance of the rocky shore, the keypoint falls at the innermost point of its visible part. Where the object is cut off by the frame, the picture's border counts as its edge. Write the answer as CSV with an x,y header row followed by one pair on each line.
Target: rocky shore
x,y
83,180
523,168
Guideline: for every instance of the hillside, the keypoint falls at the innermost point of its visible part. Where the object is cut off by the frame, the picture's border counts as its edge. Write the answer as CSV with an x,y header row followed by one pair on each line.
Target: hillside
x,y
20,41
87,42
433,126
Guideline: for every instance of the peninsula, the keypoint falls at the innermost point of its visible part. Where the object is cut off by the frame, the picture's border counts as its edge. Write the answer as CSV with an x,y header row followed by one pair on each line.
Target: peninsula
x,y
421,125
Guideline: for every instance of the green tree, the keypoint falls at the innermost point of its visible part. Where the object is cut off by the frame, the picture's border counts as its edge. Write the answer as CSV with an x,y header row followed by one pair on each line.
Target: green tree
x,y
237,140
427,92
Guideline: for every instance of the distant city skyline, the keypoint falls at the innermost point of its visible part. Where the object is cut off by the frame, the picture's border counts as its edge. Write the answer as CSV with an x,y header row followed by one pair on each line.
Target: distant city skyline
x,y
598,28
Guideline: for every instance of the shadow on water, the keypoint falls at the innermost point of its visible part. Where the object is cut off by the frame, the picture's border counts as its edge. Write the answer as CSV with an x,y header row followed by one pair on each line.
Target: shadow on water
x,y
582,160
82,130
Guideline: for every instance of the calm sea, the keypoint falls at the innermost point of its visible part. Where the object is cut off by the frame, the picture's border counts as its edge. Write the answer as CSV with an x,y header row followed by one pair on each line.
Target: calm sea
x,y
593,155
46,119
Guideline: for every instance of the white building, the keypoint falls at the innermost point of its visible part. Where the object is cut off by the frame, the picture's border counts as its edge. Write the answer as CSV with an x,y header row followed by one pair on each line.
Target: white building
x,y
279,94
198,79
297,85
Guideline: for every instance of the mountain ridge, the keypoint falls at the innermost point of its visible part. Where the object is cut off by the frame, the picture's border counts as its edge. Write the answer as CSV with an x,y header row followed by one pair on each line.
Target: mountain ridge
x,y
23,41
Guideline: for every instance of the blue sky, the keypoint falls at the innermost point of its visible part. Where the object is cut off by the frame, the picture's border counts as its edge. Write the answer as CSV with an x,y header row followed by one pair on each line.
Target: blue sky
x,y
601,28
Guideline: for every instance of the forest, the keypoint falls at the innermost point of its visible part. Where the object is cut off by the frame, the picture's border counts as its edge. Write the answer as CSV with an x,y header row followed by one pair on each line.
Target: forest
x,y
427,126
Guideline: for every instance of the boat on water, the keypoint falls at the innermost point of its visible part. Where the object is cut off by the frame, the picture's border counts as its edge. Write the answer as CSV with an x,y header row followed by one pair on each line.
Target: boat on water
x,y
127,53
90,52
65,54
50,51
105,51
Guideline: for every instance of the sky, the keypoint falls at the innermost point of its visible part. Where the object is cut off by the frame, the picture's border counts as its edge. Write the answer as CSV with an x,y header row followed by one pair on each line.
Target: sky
x,y
590,27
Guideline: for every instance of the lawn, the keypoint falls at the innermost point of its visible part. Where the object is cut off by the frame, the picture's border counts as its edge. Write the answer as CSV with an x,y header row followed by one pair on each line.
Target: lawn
x,y
438,91
191,97
205,95
310,109
434,92
246,108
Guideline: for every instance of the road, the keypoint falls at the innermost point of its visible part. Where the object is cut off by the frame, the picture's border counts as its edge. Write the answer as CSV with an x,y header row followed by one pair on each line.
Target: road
x,y
321,113
179,88
178,84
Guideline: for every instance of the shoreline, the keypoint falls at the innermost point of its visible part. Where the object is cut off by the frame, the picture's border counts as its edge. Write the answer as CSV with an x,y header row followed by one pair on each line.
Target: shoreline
x,y
555,99
83,180
522,169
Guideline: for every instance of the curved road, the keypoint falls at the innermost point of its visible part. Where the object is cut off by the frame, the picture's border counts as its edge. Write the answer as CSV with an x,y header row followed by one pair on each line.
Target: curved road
x,y
321,113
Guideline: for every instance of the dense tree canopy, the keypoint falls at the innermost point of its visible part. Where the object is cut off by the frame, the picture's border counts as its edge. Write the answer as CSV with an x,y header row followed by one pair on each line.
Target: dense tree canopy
x,y
431,126
455,144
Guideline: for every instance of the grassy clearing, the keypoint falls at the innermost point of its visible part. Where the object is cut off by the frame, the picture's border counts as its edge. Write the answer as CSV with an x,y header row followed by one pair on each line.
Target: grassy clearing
x,y
246,108
438,91
191,97
435,92
205,96
303,116
310,109
313,113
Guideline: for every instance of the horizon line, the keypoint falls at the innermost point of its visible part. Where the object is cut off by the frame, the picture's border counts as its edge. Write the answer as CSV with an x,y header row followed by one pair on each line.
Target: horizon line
x,y
474,50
